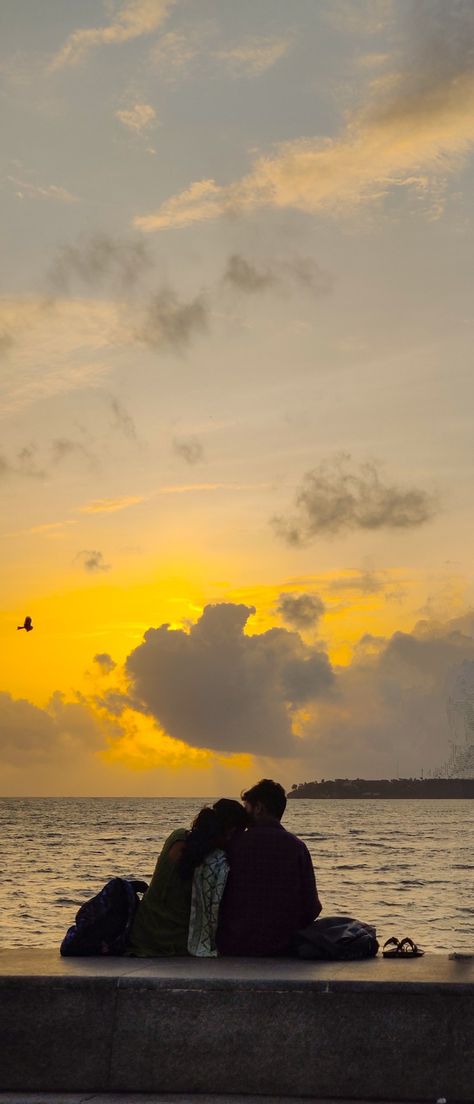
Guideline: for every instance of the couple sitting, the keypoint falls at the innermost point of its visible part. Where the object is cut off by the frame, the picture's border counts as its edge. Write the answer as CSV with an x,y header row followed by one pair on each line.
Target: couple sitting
x,y
237,883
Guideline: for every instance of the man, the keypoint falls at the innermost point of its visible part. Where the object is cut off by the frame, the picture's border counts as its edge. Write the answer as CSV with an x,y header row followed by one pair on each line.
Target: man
x,y
271,889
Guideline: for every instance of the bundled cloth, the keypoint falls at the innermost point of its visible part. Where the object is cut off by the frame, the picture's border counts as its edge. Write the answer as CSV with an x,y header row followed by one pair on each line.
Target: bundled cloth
x,y
209,882
333,938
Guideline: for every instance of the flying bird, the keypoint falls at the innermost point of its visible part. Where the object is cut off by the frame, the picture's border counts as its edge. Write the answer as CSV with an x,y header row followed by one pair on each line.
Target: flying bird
x,y
26,625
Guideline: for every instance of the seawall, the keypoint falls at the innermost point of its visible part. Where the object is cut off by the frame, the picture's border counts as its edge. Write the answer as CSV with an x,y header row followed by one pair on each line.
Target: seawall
x,y
381,1029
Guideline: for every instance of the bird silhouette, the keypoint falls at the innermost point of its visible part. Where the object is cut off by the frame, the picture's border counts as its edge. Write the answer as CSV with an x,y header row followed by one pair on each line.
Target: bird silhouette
x,y
26,625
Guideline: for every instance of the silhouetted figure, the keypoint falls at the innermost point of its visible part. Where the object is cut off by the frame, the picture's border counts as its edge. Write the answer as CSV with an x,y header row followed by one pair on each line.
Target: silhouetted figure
x,y
26,625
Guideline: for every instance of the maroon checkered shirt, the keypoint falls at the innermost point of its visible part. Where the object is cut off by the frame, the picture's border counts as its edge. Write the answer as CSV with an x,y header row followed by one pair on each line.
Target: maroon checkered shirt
x,y
270,892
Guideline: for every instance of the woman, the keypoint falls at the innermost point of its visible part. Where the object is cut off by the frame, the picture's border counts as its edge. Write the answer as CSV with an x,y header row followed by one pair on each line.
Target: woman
x,y
162,922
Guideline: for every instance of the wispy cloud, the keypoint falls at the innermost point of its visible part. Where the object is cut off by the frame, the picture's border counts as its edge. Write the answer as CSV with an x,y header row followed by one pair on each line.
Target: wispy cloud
x,y
58,348
122,420
24,464
138,118
416,126
133,19
51,528
173,54
111,505
64,447
254,56
27,189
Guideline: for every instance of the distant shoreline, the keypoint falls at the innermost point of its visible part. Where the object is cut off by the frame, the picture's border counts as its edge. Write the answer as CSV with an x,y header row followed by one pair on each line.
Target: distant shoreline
x,y
382,788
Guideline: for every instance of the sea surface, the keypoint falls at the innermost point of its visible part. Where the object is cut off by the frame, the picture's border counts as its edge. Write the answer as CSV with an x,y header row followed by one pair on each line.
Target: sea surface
x,y
405,866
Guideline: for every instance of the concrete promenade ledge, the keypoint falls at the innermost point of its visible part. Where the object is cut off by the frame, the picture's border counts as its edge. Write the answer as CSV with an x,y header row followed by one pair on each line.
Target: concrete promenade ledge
x,y
381,1030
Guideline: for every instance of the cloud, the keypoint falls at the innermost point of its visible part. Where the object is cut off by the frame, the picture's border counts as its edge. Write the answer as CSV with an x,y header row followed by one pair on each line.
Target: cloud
x,y
364,582
169,323
173,54
100,259
138,118
190,450
59,347
243,275
64,447
26,189
416,125
253,57
303,271
133,19
303,611
398,704
24,464
92,561
105,663
111,505
6,342
216,687
122,419
337,497
32,737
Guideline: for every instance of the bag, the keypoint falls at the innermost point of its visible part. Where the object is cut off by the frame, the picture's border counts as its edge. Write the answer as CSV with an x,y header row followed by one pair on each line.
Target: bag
x,y
337,938
103,924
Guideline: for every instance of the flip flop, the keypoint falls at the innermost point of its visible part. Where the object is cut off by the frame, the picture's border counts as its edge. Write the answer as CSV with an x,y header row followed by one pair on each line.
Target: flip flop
x,y
403,948
395,951
409,949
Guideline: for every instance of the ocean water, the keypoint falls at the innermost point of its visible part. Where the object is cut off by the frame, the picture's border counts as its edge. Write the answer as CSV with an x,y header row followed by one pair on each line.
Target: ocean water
x,y
405,866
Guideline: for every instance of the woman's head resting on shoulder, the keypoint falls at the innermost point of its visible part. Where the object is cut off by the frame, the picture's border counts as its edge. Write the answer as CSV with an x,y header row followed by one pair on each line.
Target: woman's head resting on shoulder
x,y
211,829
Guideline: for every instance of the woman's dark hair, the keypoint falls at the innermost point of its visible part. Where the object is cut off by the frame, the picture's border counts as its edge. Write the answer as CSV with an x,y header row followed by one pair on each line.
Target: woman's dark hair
x,y
209,831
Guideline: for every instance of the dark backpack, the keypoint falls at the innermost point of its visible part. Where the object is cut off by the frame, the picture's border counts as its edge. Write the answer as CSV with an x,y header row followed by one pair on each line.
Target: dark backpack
x,y
337,938
103,924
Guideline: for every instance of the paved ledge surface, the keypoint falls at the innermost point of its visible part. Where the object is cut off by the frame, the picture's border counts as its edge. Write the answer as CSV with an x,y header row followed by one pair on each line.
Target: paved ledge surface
x,y
114,1029
239,973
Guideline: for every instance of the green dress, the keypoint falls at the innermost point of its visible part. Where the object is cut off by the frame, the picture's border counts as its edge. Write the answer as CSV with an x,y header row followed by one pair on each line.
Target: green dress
x,y
161,923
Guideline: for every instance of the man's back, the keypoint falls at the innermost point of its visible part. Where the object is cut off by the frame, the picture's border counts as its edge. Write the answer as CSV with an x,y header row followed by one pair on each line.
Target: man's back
x,y
270,892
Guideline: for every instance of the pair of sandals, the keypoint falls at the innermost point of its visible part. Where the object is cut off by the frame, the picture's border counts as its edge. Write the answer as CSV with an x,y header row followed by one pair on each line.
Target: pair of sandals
x,y
401,948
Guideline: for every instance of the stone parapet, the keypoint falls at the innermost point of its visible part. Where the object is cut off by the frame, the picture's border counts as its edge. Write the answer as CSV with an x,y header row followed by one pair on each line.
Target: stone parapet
x,y
375,1030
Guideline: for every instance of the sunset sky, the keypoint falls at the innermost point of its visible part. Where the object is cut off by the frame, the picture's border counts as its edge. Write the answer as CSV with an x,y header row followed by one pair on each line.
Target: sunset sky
x,y
236,385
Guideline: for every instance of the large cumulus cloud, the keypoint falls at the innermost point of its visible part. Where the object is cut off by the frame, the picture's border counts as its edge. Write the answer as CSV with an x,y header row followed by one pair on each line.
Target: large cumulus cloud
x,y
218,688
34,737
398,706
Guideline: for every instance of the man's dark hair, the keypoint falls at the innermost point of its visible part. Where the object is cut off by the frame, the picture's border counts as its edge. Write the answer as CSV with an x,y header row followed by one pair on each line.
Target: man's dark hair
x,y
271,795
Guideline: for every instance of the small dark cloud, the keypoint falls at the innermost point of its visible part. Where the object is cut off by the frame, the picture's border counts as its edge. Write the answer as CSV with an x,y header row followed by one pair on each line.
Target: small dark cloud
x,y
170,323
339,496
92,560
122,421
244,275
64,447
6,342
115,702
190,449
100,259
27,464
364,582
303,611
218,687
24,465
105,663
